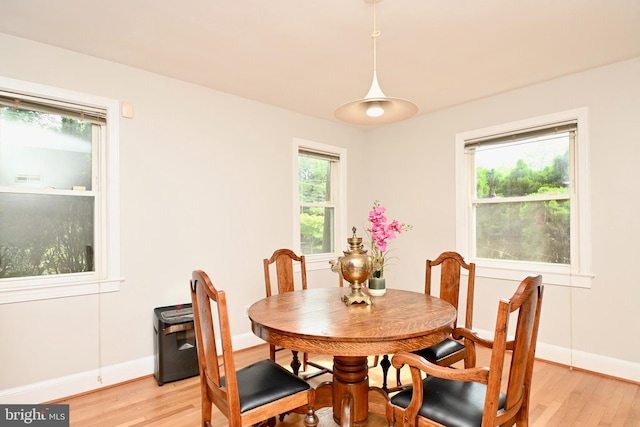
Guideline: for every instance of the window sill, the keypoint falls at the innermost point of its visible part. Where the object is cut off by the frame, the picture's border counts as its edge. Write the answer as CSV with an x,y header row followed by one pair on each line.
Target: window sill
x,y
576,280
60,290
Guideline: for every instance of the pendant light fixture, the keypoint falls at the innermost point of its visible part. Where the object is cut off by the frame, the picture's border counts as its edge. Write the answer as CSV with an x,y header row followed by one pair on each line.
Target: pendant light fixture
x,y
375,108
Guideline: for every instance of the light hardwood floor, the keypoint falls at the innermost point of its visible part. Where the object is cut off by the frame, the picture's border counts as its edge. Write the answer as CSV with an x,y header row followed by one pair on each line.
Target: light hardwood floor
x,y
560,397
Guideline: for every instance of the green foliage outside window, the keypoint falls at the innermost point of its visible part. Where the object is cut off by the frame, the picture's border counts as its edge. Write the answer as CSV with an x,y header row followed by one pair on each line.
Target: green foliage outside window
x,y
535,230
523,180
42,231
524,231
316,219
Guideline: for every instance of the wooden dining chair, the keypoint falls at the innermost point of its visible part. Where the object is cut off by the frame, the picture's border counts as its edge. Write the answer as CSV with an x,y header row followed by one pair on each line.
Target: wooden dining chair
x,y
288,281
258,392
472,397
451,265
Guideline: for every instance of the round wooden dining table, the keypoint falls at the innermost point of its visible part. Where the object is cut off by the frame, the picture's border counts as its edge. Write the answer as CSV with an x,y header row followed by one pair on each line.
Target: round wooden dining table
x,y
318,321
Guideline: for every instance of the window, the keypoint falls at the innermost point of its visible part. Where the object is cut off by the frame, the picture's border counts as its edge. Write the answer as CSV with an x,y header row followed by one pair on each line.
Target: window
x,y
320,194
58,203
522,195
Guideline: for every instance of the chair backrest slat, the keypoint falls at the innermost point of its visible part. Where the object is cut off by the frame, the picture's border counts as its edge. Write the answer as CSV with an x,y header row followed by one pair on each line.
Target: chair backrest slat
x,y
451,266
527,301
285,277
204,296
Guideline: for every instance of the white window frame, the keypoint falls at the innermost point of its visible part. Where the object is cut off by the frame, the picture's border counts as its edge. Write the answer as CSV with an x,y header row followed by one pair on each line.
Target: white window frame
x,y
321,261
107,262
578,274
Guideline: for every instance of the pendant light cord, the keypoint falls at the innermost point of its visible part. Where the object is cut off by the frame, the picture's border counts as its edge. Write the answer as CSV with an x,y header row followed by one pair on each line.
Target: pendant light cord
x,y
374,36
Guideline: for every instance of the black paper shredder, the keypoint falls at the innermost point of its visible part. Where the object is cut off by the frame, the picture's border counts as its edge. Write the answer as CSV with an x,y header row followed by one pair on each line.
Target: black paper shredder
x,y
176,356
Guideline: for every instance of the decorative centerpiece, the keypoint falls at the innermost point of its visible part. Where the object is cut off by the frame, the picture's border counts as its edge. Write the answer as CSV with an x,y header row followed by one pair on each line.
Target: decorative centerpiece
x,y
355,266
381,233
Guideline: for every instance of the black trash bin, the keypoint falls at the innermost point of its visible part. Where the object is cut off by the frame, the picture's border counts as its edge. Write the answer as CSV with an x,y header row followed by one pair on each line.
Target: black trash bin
x,y
176,356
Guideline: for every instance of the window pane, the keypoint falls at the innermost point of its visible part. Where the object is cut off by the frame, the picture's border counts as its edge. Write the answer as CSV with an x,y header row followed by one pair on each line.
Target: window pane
x,y
526,231
314,180
316,230
45,234
525,168
44,150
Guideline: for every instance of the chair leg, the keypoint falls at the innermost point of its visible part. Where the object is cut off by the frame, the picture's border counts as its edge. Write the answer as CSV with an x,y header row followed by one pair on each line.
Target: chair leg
x,y
305,357
272,352
207,409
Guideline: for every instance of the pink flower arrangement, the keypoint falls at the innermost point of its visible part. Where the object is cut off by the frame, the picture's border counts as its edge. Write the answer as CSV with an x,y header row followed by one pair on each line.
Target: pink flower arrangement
x,y
381,233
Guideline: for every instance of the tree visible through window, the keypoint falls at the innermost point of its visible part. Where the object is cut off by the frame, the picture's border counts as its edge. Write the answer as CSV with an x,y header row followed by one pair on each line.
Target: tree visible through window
x,y
47,191
522,198
316,191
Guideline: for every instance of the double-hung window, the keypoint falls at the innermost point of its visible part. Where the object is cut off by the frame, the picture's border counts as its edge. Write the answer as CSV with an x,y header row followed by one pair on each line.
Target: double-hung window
x,y
320,194
522,191
57,237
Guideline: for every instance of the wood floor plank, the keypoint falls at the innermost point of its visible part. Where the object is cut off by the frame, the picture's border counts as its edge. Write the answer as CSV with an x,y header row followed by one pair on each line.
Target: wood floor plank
x,y
560,397
596,413
583,401
633,417
624,415
541,415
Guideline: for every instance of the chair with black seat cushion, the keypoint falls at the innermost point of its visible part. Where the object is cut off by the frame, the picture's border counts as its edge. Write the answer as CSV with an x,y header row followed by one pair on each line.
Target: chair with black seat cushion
x,y
451,264
253,394
472,397
288,281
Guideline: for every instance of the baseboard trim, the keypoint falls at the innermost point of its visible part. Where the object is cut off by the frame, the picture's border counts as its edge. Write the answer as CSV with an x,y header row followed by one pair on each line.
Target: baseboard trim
x,y
59,388
82,382
596,363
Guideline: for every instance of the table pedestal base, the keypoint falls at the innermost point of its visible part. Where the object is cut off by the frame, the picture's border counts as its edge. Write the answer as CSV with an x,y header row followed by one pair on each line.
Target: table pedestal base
x,y
351,380
350,375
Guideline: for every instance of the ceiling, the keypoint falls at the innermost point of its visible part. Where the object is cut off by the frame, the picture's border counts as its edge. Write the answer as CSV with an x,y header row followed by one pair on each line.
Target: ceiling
x,y
312,56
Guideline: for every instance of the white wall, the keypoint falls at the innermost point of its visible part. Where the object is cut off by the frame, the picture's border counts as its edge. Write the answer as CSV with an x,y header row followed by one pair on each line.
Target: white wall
x,y
417,186
206,183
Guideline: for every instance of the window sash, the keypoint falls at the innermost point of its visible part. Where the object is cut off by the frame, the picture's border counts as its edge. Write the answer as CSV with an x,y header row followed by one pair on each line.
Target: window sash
x,y
505,140
50,195
328,205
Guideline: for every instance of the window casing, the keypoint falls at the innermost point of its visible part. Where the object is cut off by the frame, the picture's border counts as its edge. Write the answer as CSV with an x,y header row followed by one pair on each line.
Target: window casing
x,y
320,194
58,193
522,199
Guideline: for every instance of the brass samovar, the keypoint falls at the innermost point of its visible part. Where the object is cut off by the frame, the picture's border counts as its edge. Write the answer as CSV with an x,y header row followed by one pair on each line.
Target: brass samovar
x,y
356,267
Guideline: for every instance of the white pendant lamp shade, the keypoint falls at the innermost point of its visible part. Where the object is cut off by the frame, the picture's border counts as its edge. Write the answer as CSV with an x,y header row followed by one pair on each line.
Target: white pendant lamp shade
x,y
375,108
